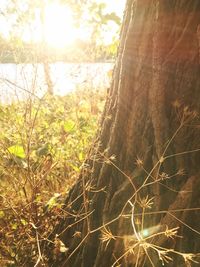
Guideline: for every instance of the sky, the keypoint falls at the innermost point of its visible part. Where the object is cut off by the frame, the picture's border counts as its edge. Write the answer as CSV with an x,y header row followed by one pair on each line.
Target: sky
x,y
60,31
116,6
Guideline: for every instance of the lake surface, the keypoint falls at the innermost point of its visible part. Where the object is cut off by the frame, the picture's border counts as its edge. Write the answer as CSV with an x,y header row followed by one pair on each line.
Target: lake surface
x,y
18,80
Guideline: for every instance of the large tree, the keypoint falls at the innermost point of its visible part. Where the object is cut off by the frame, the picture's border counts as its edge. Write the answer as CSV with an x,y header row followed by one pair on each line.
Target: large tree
x,y
146,154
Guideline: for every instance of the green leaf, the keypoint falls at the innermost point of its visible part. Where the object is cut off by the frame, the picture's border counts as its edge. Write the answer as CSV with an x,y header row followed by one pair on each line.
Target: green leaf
x,y
2,214
53,201
74,167
80,156
24,222
112,16
69,126
14,226
17,151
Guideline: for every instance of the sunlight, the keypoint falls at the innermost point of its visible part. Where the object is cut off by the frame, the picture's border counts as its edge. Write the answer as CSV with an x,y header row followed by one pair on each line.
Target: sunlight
x,y
58,26
60,30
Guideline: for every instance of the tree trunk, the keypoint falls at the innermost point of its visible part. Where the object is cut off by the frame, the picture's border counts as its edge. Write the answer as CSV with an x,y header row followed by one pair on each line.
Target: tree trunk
x,y
45,52
147,149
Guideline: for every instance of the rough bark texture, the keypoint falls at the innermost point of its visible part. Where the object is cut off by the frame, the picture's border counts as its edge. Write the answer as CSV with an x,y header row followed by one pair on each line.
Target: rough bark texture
x,y
151,125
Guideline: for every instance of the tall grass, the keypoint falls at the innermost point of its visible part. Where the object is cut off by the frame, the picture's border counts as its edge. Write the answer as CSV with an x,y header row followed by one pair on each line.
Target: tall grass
x,y
43,143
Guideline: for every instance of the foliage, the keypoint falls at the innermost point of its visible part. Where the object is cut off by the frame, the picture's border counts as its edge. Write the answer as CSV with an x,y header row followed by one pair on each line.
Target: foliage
x,y
43,143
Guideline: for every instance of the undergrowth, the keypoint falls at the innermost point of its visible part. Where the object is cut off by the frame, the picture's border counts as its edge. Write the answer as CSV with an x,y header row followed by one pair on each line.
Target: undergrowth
x,y
43,143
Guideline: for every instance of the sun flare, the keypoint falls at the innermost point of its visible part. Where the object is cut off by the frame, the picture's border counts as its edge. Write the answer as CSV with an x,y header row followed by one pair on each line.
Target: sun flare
x,y
59,26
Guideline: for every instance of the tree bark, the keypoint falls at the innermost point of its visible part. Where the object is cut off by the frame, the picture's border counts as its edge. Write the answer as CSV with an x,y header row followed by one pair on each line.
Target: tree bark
x,y
45,52
147,145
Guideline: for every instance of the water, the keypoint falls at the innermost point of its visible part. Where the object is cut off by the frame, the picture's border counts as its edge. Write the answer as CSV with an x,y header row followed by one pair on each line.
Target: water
x,y
18,81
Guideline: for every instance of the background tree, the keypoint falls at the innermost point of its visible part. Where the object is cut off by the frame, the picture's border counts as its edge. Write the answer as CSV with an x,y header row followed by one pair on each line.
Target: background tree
x,y
45,52
147,149
24,17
